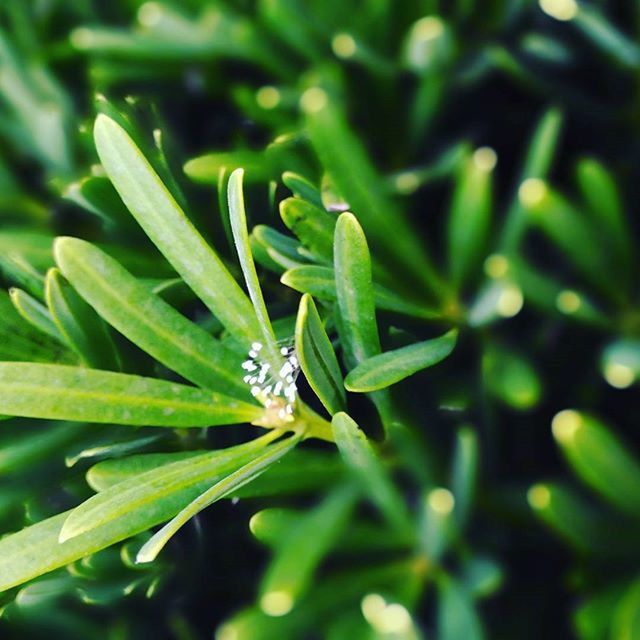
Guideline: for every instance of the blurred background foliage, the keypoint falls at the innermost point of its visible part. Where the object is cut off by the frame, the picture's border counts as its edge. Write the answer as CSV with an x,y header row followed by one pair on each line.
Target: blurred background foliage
x,y
490,152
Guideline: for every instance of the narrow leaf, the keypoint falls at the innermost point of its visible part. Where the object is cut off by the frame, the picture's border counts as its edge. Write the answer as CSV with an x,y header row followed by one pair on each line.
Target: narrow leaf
x,y
317,358
78,323
470,216
600,459
361,459
302,548
59,392
356,178
313,226
385,369
165,490
157,212
222,488
320,282
238,218
537,162
145,319
354,290
457,616
34,312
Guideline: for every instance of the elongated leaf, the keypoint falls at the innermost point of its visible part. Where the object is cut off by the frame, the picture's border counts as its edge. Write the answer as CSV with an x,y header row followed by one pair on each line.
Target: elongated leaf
x,y
511,378
361,459
238,218
34,312
537,162
320,282
457,617
21,450
222,488
36,550
470,216
148,321
206,169
354,291
162,490
78,323
321,470
302,188
463,473
607,37
626,617
351,170
570,231
313,226
302,549
59,392
317,358
21,341
576,521
600,459
165,223
390,367
271,527
601,194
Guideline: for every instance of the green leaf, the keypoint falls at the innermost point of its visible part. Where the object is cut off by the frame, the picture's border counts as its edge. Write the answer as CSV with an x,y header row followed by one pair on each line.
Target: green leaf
x,y
437,525
238,218
17,269
313,226
34,312
145,319
165,223
540,154
601,195
321,470
385,369
320,282
592,618
302,549
463,473
21,449
21,341
97,195
570,230
160,493
36,550
606,37
284,251
600,459
366,466
60,392
81,328
206,169
238,478
302,188
457,617
626,616
351,170
354,290
317,358
469,218
511,378
271,527
588,530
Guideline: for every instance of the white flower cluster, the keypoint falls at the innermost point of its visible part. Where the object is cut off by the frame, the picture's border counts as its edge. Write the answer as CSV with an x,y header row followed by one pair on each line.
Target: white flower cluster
x,y
279,389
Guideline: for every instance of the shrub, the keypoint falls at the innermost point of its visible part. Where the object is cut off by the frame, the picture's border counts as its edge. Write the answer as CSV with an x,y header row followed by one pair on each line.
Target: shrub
x,y
417,271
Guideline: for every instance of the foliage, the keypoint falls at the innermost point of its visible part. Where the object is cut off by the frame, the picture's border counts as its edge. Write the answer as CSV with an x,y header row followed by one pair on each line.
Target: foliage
x,y
299,258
